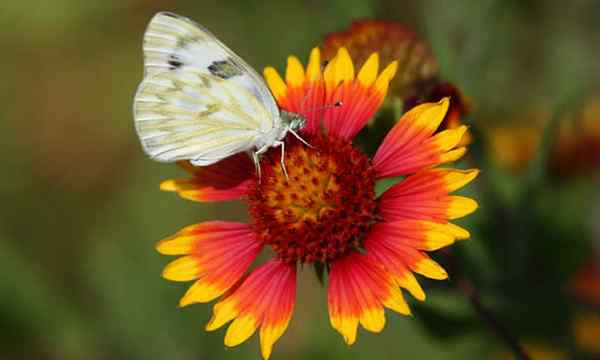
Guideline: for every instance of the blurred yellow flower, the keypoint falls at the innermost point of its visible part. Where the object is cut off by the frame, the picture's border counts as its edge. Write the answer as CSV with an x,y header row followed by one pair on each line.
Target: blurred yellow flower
x,y
586,330
539,351
575,149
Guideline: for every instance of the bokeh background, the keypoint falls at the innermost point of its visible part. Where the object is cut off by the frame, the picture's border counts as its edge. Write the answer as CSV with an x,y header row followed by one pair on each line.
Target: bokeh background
x,y
81,210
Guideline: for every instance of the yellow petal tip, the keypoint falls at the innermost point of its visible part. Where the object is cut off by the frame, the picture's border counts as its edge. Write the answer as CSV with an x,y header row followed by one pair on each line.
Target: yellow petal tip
x,y
391,69
313,69
275,82
431,269
445,102
183,269
240,330
294,73
168,185
368,72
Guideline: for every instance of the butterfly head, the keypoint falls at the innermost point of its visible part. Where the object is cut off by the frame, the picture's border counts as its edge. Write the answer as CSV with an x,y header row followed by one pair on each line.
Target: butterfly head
x,y
297,122
292,120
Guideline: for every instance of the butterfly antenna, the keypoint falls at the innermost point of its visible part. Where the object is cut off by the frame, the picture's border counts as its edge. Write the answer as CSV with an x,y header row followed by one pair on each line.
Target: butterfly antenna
x,y
305,98
337,104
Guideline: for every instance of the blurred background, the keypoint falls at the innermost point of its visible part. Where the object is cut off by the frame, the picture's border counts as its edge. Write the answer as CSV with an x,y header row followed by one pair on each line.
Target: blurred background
x,y
81,210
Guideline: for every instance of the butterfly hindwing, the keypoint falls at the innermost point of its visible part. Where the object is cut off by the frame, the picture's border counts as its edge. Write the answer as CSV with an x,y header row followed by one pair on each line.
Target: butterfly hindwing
x,y
190,115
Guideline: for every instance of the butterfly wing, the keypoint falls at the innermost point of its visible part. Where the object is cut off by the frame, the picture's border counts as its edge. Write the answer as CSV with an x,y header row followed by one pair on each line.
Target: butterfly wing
x,y
190,115
175,43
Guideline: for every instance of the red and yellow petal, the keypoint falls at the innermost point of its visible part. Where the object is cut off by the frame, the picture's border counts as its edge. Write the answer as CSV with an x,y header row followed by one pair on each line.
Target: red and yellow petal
x,y
226,180
359,290
460,106
401,260
360,96
217,254
336,96
412,146
265,300
399,247
425,196
303,91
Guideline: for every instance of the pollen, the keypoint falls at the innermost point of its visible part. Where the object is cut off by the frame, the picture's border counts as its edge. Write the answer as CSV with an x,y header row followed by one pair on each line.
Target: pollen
x,y
325,206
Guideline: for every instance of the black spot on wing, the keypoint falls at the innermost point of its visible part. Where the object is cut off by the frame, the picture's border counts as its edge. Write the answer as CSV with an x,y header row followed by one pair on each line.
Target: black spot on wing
x,y
175,64
225,69
174,61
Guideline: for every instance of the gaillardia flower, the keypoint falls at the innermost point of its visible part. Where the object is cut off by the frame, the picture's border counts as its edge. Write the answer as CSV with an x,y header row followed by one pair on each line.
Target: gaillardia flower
x,y
459,108
392,41
417,80
326,210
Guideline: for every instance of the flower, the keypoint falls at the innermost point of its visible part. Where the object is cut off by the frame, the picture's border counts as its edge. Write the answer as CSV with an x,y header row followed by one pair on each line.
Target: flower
x,y
585,284
575,144
585,287
394,42
417,80
325,210
459,107
513,146
586,330
577,147
537,350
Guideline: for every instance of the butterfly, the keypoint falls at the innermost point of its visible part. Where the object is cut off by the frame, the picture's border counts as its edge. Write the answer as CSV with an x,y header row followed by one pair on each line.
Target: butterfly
x,y
201,102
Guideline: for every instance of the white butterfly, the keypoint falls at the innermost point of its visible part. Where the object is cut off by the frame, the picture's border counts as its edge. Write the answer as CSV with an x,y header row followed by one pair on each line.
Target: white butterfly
x,y
200,102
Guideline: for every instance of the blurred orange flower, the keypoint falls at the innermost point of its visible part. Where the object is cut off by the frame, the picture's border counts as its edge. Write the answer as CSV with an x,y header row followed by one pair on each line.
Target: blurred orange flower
x,y
393,41
575,150
539,351
417,80
513,147
585,285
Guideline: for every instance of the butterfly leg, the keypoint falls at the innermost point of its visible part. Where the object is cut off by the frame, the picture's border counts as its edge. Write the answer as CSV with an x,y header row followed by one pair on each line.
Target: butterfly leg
x,y
282,144
256,161
300,138
255,157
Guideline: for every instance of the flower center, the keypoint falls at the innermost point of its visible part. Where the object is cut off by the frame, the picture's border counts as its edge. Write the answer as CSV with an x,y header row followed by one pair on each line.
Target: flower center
x,y
325,206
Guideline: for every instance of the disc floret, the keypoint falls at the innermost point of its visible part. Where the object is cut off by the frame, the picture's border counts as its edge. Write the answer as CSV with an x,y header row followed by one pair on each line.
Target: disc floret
x,y
325,206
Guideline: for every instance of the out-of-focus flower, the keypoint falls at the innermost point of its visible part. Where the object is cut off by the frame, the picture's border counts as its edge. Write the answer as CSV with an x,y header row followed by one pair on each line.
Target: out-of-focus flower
x,y
417,66
417,80
586,331
540,351
513,147
325,211
585,286
577,149
576,145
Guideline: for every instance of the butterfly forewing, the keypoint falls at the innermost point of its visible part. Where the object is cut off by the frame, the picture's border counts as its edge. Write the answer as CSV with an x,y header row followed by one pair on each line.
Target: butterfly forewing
x,y
172,42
